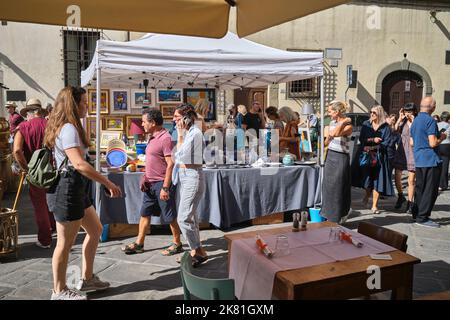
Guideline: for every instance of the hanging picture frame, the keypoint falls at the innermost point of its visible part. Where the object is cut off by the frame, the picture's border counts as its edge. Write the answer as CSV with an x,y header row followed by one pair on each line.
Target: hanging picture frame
x,y
120,101
114,123
134,126
203,100
137,99
166,96
107,136
168,110
92,101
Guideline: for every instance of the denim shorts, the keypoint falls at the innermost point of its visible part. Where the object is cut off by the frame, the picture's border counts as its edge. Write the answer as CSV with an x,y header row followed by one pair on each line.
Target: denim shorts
x,y
153,205
70,196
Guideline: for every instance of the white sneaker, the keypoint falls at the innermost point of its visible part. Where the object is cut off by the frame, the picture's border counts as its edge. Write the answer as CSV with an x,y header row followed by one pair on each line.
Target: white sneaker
x,y
40,245
67,294
94,284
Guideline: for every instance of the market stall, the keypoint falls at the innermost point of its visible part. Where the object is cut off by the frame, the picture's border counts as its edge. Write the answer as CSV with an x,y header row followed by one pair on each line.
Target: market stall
x,y
169,63
231,195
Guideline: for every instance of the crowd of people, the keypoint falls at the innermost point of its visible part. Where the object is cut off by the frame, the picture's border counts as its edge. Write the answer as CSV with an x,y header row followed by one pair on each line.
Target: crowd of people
x,y
389,145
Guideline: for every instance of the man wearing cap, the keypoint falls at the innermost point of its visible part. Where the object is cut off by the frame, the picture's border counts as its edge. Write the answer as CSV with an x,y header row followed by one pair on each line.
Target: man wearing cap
x,y
14,118
29,138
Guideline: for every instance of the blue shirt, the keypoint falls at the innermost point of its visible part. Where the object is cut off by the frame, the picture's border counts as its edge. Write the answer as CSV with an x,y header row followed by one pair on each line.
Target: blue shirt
x,y
423,126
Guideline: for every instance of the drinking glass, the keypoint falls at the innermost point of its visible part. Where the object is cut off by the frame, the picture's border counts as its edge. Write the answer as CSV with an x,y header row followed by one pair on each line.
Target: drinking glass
x,y
282,246
335,235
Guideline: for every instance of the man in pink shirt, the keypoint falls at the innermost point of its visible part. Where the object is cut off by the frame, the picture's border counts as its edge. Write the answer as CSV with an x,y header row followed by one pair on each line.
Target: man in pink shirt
x,y
14,118
156,183
29,138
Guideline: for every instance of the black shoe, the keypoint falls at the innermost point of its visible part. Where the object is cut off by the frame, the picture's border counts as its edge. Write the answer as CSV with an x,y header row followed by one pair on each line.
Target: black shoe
x,y
400,201
409,207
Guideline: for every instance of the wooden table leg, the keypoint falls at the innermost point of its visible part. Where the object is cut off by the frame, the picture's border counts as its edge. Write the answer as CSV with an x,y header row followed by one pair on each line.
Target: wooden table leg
x,y
404,292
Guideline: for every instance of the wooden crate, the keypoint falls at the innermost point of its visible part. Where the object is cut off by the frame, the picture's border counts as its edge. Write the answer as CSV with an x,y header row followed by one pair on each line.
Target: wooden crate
x,y
119,230
269,219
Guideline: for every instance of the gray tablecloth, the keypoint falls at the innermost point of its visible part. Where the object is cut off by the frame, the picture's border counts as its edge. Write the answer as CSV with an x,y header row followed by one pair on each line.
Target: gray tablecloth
x,y
231,196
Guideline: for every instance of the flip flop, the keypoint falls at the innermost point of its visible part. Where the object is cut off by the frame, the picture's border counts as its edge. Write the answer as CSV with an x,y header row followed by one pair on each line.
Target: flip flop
x,y
175,249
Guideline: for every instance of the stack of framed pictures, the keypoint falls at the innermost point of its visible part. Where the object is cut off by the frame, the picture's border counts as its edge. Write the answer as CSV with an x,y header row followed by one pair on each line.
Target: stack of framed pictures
x,y
121,109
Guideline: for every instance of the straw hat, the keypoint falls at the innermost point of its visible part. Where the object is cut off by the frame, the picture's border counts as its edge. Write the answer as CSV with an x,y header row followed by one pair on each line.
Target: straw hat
x,y
10,104
32,105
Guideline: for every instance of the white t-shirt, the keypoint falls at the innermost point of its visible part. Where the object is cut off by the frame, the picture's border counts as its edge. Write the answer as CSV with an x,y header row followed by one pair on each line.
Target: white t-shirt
x,y
68,138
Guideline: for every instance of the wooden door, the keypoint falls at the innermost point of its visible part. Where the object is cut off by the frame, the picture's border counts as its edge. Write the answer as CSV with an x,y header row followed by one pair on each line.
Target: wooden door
x,y
247,95
399,88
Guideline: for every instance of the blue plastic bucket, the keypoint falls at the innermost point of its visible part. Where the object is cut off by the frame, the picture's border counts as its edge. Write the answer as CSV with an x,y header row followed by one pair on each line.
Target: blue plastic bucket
x,y
314,214
140,148
116,158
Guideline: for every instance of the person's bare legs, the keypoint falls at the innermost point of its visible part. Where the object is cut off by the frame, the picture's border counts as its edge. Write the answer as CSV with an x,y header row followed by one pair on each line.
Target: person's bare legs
x,y
411,185
144,222
91,224
176,232
376,197
66,234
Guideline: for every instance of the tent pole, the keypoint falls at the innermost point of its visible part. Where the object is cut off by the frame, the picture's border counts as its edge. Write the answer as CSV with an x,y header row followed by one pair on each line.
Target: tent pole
x,y
322,138
98,131
322,125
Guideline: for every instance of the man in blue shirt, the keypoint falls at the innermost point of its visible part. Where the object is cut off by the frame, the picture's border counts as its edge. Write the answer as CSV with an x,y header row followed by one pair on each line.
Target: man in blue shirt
x,y
425,139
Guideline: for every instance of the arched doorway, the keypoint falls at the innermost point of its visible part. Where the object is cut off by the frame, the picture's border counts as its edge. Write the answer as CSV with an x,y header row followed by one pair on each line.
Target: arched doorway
x,y
401,87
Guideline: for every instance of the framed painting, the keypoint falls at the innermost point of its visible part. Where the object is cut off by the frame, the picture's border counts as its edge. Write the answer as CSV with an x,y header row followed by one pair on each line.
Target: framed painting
x,y
108,136
114,123
137,99
91,127
204,101
305,140
120,101
92,101
168,110
169,96
134,126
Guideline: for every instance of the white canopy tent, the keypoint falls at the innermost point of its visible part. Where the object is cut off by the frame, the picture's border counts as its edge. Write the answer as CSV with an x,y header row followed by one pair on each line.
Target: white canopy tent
x,y
172,61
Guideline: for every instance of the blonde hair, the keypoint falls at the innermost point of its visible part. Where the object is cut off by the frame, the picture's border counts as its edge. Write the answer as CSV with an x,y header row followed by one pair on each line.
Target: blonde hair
x,y
242,109
338,106
381,114
287,114
65,111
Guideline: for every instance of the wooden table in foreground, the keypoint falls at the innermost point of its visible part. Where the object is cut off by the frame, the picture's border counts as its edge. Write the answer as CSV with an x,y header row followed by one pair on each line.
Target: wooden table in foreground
x,y
338,280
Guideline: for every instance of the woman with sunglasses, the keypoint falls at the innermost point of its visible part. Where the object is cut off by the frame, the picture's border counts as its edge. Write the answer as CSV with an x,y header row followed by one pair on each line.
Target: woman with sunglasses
x,y
375,175
404,156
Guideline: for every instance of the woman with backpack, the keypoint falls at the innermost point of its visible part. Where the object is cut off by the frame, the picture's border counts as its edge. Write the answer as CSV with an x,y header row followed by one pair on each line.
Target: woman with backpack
x,y
68,199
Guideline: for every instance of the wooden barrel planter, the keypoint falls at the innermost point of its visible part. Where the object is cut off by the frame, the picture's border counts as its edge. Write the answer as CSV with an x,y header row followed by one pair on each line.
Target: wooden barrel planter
x,y
9,232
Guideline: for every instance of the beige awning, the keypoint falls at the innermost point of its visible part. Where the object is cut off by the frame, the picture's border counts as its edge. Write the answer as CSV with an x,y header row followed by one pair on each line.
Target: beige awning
x,y
205,18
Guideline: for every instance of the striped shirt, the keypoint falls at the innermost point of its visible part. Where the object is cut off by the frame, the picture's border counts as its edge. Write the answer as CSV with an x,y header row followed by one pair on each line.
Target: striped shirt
x,y
339,144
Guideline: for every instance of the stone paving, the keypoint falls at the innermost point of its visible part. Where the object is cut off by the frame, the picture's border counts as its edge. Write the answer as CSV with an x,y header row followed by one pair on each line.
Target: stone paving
x,y
152,276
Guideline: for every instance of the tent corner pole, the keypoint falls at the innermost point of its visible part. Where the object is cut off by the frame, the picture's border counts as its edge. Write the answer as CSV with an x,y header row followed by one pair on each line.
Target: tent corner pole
x,y
97,132
322,137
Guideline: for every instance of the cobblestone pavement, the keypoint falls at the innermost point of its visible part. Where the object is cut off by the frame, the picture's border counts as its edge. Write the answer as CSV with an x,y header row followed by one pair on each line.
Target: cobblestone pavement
x,y
153,276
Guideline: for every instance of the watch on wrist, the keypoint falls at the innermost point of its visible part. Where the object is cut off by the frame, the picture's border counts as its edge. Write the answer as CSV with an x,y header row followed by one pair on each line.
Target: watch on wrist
x,y
166,189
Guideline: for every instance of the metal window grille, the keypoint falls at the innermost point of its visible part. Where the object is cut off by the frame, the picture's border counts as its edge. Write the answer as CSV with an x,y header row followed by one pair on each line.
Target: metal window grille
x,y
396,99
308,88
79,49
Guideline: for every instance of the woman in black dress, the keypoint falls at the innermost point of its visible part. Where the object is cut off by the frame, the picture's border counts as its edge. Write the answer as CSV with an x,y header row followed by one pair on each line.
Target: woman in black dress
x,y
376,176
